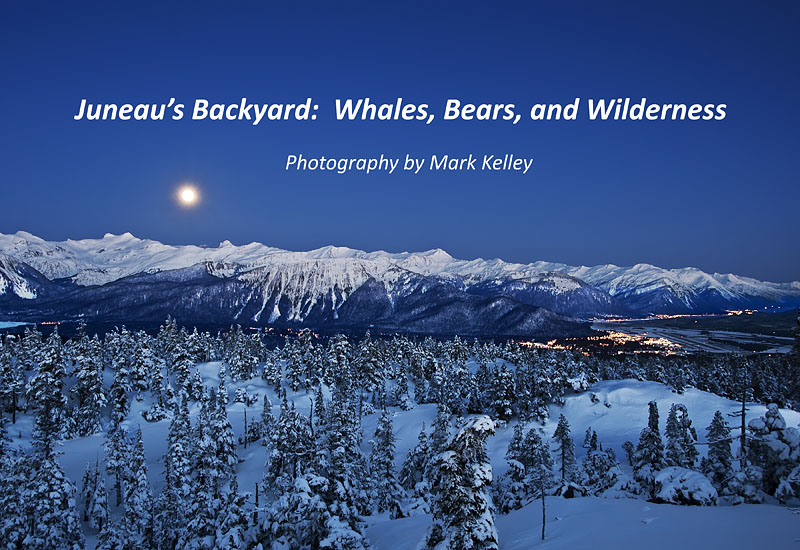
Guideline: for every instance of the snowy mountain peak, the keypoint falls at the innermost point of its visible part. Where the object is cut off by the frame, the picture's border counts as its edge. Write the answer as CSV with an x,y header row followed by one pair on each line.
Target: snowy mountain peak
x,y
335,269
13,280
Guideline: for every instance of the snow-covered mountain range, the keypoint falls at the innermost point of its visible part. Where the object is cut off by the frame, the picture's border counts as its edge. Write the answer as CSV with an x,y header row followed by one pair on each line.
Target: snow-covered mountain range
x,y
121,276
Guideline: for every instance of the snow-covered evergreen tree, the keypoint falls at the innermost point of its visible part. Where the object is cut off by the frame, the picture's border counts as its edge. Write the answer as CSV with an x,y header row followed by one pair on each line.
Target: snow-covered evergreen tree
x,y
142,364
441,431
717,466
233,521
14,469
388,494
222,434
111,538
182,363
116,448
88,391
681,437
347,468
601,470
535,457
46,392
502,393
462,507
775,449
12,377
120,387
136,522
300,517
565,450
94,497
291,448
48,496
649,456
413,469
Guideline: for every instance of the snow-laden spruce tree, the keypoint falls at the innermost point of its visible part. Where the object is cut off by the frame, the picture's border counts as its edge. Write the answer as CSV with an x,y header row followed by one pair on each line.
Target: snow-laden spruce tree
x,y
299,516
303,517
502,393
45,390
233,520
388,494
47,495
681,438
482,389
515,444
171,504
136,522
441,431
538,466
222,434
14,470
267,424
565,451
290,450
94,497
87,392
532,388
460,479
321,507
181,362
346,467
142,364
529,472
535,457
111,538
649,456
204,502
12,376
719,462
272,371
412,472
775,449
295,370
116,450
601,471
510,491
118,393
367,368
339,359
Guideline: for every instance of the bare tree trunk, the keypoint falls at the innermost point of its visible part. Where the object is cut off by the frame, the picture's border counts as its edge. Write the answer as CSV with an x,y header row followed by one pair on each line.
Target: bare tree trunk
x,y
255,508
543,510
743,442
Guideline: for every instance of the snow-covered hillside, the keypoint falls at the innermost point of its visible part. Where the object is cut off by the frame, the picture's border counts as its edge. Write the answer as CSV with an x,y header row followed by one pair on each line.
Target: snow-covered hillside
x,y
383,443
617,413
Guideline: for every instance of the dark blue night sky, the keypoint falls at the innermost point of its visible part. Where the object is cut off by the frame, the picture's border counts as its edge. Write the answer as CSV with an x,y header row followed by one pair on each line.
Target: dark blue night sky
x,y
722,196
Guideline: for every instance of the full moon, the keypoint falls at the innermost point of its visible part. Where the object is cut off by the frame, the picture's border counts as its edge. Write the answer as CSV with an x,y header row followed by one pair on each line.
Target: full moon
x,y
187,195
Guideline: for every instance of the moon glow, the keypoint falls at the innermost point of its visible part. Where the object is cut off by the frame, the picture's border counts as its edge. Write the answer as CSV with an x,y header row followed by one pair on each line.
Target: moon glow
x,y
187,195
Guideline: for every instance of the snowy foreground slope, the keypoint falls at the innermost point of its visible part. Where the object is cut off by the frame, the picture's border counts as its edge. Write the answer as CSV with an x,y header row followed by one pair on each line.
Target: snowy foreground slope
x,y
598,524
617,413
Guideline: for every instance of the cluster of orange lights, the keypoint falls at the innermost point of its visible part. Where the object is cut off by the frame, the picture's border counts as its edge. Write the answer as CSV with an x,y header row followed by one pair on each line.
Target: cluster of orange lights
x,y
609,340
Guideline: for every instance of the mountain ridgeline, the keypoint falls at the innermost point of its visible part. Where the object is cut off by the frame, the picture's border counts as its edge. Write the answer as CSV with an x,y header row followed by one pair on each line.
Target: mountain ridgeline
x,y
120,278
